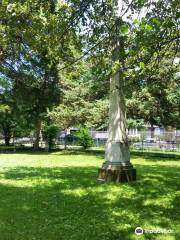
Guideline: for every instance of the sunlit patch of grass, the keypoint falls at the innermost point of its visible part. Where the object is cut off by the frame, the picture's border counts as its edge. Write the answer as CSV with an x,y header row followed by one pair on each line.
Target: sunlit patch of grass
x,y
56,196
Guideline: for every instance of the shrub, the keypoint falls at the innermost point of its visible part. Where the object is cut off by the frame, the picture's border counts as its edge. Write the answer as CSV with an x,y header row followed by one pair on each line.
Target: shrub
x,y
50,133
134,138
84,138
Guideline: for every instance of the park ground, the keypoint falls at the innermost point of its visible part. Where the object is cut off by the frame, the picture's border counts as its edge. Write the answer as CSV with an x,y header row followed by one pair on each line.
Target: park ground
x,y
56,196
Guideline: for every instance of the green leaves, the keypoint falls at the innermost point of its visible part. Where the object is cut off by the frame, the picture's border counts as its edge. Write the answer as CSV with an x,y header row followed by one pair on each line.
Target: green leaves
x,y
136,21
84,138
124,29
50,133
148,27
38,36
5,109
142,65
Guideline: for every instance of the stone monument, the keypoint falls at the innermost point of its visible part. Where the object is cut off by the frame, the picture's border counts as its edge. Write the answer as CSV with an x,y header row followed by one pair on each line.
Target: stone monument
x,y
117,166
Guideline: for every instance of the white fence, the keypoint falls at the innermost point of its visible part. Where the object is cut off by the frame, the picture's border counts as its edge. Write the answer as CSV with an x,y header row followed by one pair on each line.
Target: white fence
x,y
136,135
162,140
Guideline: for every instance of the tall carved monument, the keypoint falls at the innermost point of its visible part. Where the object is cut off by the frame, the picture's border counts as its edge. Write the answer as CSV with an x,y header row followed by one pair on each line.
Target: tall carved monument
x,y
117,166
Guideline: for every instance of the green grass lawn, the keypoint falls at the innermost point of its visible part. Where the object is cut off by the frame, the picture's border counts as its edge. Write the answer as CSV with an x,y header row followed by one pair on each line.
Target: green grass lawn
x,y
56,196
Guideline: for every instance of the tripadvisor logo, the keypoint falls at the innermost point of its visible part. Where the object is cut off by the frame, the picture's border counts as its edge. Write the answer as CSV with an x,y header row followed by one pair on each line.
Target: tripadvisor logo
x,y
138,231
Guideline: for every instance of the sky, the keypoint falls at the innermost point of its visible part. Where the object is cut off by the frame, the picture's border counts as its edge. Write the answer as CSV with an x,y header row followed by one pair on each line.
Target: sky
x,y
143,12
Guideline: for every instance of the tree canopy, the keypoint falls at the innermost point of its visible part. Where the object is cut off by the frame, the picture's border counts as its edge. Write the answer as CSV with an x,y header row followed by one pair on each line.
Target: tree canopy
x,y
56,61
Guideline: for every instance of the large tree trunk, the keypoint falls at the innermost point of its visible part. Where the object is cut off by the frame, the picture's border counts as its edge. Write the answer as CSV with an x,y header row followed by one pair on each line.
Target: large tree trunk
x,y
38,135
152,131
117,164
7,135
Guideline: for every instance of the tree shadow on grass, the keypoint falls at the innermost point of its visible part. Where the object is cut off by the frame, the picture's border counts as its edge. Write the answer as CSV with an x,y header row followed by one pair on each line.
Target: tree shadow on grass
x,y
69,203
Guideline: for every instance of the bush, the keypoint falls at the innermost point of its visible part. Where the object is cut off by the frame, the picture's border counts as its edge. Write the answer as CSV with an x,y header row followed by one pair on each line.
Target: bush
x,y
50,134
84,138
134,139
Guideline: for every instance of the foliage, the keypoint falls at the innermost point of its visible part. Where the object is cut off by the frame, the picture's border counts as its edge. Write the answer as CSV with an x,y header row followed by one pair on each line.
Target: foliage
x,y
134,139
50,134
32,36
41,68
84,138
135,123
84,100
7,122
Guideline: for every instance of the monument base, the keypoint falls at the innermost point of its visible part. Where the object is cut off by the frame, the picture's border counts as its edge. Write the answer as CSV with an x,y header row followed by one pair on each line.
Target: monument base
x,y
117,172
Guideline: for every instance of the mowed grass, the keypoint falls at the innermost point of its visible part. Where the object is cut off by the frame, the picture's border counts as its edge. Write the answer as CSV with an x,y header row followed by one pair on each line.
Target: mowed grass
x,y
57,197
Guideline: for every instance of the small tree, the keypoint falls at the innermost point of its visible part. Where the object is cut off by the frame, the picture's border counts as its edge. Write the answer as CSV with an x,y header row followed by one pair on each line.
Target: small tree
x,y
50,134
84,138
